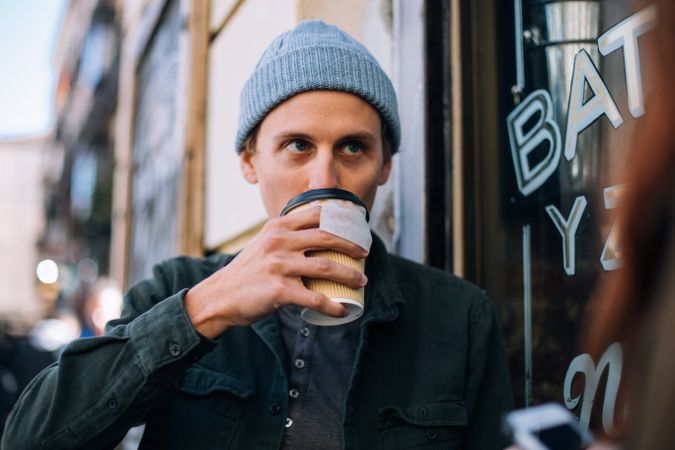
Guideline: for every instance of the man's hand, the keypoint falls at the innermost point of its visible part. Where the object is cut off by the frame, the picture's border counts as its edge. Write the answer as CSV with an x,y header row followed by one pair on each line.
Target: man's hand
x,y
268,273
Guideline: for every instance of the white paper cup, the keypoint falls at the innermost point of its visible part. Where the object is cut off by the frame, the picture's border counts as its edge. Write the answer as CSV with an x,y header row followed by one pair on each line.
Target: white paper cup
x,y
352,299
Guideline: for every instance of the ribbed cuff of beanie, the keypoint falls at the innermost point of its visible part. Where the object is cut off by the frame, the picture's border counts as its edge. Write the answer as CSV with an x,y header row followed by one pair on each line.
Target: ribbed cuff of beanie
x,y
315,68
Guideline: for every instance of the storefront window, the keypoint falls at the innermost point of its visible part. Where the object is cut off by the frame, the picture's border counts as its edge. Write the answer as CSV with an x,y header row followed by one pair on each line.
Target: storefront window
x,y
558,96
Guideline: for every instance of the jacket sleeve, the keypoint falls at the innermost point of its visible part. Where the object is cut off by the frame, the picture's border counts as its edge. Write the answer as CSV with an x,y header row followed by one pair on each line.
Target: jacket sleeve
x,y
102,386
489,393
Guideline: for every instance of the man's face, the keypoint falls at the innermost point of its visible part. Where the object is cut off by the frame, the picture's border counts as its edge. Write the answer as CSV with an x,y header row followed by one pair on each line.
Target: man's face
x,y
314,140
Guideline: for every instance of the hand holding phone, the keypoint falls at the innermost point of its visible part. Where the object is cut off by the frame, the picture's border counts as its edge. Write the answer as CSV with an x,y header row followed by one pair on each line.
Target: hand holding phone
x,y
546,427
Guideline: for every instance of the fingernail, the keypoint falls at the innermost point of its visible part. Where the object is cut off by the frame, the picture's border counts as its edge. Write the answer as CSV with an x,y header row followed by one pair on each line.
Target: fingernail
x,y
364,280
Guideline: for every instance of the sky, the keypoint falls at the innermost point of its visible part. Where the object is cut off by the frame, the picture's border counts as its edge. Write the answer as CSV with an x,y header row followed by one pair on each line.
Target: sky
x,y
28,34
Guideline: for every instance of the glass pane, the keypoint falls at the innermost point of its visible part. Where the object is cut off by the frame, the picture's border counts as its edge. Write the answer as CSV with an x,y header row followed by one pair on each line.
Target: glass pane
x,y
547,187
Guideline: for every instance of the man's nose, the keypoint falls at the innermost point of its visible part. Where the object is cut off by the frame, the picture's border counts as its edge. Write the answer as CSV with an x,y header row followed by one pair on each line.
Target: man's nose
x,y
323,173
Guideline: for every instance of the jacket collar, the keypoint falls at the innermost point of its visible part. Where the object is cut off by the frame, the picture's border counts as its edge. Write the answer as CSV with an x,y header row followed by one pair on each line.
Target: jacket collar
x,y
269,330
383,295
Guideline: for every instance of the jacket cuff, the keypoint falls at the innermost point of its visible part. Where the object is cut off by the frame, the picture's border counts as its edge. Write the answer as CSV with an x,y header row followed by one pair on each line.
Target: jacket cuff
x,y
164,334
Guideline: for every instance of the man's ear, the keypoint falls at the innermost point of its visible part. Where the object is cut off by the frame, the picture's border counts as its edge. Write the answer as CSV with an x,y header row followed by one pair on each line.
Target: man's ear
x,y
385,172
247,165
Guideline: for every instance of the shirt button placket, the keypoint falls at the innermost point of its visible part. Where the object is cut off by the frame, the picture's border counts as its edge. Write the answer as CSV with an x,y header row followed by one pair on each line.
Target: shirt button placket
x,y
299,375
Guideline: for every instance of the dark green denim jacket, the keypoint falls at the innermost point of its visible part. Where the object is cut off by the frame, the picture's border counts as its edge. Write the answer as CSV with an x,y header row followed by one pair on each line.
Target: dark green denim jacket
x,y
430,371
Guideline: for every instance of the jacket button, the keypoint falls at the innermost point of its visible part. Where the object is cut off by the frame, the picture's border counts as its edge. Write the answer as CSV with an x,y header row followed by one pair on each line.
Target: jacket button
x,y
432,435
294,393
112,403
299,363
274,409
289,422
304,331
174,349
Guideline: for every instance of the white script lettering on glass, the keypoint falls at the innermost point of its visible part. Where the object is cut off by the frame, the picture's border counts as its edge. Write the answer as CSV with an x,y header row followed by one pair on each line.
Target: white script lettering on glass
x,y
568,230
612,360
523,141
625,35
582,114
611,253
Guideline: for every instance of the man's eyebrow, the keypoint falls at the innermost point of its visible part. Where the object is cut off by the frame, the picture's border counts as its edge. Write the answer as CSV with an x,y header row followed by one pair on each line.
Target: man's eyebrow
x,y
362,135
285,135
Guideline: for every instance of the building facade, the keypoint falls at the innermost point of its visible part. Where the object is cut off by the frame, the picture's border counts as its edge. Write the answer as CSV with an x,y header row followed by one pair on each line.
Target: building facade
x,y
78,190
24,164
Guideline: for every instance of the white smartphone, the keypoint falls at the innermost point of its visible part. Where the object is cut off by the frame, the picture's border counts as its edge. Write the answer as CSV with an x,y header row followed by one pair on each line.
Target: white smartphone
x,y
546,427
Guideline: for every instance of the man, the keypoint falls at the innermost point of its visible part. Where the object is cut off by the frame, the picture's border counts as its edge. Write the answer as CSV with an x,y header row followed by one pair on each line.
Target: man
x,y
213,353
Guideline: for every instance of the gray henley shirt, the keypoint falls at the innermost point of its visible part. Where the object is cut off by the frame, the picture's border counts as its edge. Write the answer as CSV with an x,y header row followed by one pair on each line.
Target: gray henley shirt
x,y
320,361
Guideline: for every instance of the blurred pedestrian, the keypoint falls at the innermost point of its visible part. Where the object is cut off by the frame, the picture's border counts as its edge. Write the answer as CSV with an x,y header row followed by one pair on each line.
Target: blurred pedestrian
x,y
98,303
636,305
21,358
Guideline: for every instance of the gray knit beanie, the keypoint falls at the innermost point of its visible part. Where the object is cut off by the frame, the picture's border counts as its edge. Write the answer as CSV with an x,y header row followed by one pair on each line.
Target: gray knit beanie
x,y
312,56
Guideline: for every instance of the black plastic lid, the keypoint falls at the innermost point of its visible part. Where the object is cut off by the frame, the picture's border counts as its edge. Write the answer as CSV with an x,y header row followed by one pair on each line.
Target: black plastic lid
x,y
322,194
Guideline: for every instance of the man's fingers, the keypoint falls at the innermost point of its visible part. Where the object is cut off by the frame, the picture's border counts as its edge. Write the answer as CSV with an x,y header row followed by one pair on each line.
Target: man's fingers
x,y
301,220
316,239
299,232
324,268
315,300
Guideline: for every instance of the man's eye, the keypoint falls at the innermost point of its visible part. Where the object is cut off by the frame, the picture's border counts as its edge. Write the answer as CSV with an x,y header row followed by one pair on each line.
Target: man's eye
x,y
298,145
352,148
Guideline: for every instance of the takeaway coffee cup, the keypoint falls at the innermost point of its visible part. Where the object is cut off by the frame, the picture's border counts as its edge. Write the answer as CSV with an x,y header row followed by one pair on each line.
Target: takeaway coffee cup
x,y
342,214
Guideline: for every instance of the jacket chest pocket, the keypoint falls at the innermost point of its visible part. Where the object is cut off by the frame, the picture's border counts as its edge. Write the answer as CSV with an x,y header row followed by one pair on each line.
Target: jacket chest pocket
x,y
203,412
215,391
429,426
